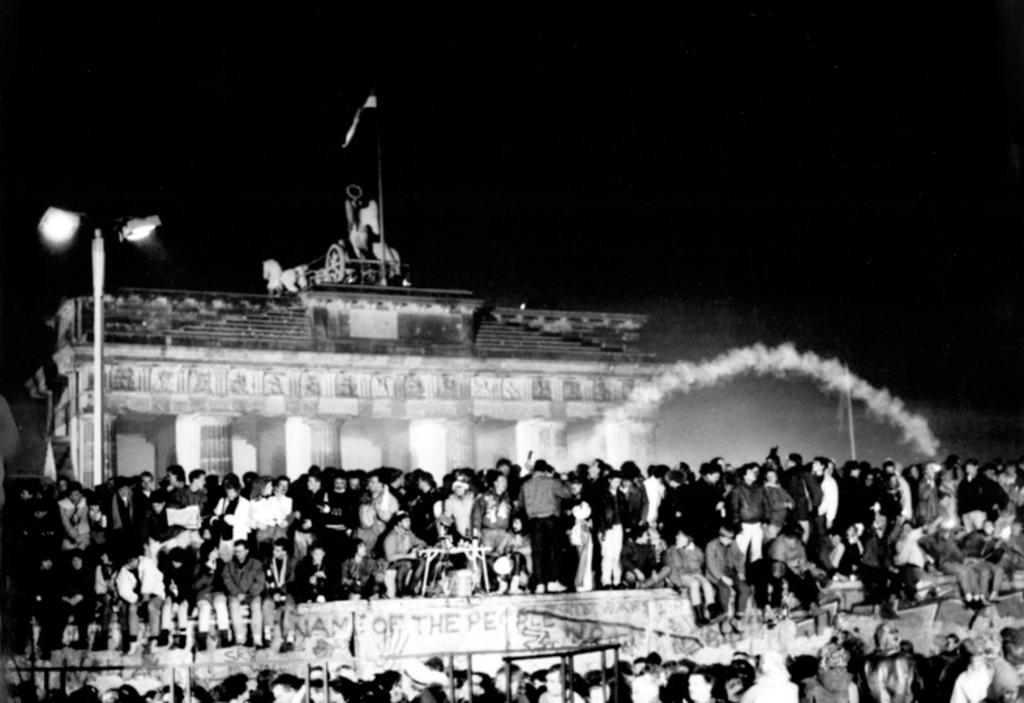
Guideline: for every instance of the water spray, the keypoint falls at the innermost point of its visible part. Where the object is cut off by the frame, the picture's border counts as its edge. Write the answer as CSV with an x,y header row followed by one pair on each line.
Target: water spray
x,y
782,361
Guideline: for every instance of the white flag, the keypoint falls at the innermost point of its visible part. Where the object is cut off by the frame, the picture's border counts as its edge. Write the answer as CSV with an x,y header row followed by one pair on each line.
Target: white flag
x,y
371,102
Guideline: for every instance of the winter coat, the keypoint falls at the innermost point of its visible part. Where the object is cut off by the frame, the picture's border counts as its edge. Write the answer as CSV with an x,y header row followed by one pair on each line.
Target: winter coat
x,y
805,491
244,579
747,504
780,503
75,519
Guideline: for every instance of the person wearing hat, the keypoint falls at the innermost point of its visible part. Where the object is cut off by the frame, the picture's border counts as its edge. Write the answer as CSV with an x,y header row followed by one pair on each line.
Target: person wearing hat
x,y
423,684
455,513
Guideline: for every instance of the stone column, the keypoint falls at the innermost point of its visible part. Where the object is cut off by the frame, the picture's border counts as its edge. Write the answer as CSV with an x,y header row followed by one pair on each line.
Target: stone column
x,y
428,446
298,446
461,444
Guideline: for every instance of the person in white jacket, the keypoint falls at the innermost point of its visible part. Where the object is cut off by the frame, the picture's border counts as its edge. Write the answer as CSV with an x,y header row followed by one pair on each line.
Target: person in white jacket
x,y
140,584
231,518
74,517
829,507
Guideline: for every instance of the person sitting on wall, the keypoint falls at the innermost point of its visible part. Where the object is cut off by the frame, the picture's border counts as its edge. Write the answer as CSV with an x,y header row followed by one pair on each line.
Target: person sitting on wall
x,y
726,569
316,576
455,513
683,569
278,598
140,585
788,566
362,576
105,590
178,587
47,606
944,549
78,596
209,596
244,582
400,551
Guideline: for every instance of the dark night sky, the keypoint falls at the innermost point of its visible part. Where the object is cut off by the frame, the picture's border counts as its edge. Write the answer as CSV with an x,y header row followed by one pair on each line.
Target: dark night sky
x,y
844,182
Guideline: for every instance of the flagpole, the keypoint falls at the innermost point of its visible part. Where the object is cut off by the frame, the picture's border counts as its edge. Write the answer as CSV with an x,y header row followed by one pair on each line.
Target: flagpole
x,y
849,413
380,199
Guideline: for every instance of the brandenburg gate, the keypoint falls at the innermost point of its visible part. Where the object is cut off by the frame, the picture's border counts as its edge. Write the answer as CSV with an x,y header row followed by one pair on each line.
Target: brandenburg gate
x,y
346,376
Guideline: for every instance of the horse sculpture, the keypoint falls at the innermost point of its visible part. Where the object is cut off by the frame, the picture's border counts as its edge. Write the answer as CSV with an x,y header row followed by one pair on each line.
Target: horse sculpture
x,y
278,280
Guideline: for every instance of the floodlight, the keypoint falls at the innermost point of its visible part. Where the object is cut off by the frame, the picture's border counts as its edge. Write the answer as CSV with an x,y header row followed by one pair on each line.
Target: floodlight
x,y
139,228
59,226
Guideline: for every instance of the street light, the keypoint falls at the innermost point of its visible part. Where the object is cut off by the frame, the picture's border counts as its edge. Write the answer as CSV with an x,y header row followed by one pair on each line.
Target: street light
x,y
58,227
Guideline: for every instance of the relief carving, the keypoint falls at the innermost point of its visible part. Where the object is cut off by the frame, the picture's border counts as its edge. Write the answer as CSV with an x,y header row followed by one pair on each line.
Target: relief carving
x,y
199,381
382,386
541,388
310,385
122,378
274,383
511,389
345,385
485,387
448,387
572,389
164,380
239,382
414,387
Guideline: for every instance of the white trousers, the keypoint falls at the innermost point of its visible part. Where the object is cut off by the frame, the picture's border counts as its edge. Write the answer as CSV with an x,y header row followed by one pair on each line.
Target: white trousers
x,y
750,537
611,553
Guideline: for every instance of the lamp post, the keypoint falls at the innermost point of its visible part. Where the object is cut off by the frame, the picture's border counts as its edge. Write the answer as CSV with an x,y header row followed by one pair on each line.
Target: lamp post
x,y
59,227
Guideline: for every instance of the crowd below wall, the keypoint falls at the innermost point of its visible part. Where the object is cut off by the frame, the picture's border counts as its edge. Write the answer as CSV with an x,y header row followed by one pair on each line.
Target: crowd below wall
x,y
740,542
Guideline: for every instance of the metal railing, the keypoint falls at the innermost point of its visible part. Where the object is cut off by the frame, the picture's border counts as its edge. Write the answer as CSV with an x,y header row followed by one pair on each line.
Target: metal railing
x,y
183,676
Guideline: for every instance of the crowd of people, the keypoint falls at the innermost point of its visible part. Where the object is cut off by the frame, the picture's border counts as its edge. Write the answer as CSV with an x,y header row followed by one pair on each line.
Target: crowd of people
x,y
846,670
739,542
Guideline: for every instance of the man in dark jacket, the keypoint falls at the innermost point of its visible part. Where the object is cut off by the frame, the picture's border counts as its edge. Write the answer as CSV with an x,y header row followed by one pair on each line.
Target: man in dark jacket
x,y
317,577
209,597
747,510
244,582
541,496
706,505
78,596
978,497
805,491
672,510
